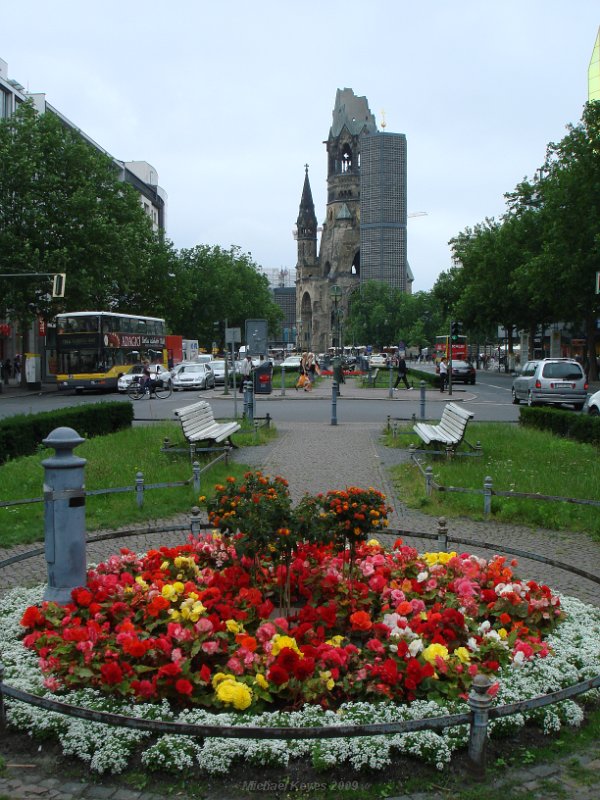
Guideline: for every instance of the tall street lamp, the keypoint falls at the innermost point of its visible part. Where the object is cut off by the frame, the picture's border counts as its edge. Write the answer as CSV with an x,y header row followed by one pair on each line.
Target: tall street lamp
x,y
336,294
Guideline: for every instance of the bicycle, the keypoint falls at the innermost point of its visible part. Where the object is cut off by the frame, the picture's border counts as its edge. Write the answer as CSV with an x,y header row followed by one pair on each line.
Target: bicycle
x,y
152,389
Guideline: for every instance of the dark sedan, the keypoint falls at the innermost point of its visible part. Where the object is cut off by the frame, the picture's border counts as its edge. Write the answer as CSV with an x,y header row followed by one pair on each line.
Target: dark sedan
x,y
463,371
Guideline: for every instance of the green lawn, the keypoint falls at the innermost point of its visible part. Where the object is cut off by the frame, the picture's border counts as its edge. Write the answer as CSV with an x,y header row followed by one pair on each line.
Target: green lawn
x,y
113,461
517,459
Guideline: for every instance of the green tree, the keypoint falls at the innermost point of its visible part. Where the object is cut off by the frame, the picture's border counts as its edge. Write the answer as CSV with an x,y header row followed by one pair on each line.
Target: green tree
x,y
213,284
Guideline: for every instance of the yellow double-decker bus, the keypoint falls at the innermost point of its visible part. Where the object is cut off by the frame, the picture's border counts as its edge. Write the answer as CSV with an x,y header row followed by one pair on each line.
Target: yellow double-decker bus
x,y
94,347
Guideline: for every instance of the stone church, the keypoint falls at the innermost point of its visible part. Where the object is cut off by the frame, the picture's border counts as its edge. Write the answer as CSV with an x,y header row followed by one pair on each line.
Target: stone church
x,y
364,233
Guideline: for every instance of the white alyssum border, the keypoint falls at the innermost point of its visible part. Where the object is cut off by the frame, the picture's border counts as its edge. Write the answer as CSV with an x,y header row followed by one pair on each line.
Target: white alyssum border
x,y
576,657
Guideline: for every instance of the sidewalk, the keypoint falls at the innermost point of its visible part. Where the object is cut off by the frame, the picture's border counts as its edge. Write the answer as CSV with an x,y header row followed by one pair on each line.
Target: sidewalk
x,y
316,458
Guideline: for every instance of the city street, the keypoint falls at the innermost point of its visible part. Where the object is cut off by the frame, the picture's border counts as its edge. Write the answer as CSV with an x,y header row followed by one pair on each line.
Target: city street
x,y
489,399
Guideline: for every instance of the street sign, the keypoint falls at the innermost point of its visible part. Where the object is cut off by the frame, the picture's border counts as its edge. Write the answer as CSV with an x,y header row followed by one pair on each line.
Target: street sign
x,y
233,335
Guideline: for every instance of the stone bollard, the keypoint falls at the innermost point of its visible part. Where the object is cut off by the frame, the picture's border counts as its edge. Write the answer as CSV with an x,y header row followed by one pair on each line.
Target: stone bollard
x,y
442,534
479,702
422,400
196,476
64,516
428,480
487,495
139,489
282,381
195,521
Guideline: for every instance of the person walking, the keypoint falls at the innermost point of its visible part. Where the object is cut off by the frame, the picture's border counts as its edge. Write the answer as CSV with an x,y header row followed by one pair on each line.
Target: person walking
x,y
443,370
245,371
402,370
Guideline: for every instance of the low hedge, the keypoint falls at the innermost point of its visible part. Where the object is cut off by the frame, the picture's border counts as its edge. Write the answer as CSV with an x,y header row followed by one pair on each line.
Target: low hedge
x,y
23,434
581,427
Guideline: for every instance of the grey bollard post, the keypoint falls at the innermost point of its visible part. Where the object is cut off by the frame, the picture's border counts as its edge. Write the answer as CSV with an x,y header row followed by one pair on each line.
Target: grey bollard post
x,y
248,401
195,521
479,702
487,495
196,476
283,381
442,534
64,516
428,480
422,400
139,488
391,388
411,451
334,395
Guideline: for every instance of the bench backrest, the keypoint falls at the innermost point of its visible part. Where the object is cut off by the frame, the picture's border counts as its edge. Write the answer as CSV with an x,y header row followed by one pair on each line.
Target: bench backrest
x,y
195,415
454,420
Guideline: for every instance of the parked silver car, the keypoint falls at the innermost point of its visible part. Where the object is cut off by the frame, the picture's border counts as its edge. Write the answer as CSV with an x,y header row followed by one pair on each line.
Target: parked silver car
x,y
193,376
551,381
218,368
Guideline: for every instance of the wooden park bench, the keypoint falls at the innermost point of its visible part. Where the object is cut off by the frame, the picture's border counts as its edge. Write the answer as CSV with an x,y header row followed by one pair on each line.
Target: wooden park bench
x,y
450,430
199,425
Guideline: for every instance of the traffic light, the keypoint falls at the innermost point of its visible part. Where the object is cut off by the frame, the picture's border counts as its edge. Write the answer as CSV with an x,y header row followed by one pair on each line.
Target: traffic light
x,y
58,284
455,328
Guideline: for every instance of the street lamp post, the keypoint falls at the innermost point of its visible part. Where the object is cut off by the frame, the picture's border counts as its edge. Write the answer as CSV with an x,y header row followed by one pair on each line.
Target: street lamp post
x,y
335,294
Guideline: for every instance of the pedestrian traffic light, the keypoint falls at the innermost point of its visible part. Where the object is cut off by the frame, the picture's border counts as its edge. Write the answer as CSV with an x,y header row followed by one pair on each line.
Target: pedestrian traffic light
x,y
455,330
58,284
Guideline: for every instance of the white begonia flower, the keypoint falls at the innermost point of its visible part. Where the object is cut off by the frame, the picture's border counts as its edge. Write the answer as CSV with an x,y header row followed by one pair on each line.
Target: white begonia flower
x,y
422,576
415,647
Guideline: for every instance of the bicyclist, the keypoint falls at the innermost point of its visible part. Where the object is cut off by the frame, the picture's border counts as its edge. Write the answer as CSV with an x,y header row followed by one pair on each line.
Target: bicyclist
x,y
145,380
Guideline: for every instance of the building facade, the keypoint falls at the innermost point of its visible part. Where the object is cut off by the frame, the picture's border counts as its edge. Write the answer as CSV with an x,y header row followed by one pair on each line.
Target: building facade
x,y
364,233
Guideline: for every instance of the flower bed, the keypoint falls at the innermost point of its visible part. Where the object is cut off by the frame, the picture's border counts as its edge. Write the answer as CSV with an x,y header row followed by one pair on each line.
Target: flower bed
x,y
290,617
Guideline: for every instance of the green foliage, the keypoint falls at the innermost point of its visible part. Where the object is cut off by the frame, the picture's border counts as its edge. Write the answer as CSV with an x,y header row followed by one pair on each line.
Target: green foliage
x,y
383,316
214,285
581,427
512,456
22,434
64,209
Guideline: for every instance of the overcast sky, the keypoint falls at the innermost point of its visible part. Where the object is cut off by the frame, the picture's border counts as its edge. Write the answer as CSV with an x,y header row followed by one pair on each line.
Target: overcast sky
x,y
228,100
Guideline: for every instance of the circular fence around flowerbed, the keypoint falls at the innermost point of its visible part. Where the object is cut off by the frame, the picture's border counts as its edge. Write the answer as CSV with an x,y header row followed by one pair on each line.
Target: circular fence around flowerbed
x,y
479,701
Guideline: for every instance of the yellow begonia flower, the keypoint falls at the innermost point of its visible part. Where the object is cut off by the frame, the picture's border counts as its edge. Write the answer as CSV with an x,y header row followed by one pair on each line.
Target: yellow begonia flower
x,y
179,587
373,543
233,626
164,566
236,694
463,655
141,582
326,676
169,592
279,642
219,677
435,651
335,641
192,609
503,633
261,681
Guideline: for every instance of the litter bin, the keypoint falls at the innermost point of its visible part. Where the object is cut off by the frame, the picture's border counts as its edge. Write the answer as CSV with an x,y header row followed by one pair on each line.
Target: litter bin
x,y
263,378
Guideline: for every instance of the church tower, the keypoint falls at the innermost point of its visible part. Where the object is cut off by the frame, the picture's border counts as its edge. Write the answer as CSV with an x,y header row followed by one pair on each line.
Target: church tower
x,y
325,282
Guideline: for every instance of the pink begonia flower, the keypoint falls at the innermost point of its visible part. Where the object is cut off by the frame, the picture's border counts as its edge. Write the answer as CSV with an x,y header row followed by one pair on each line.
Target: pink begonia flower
x,y
210,647
266,632
431,584
282,623
204,626
378,559
398,596
52,683
375,646
417,605
235,666
367,569
177,655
